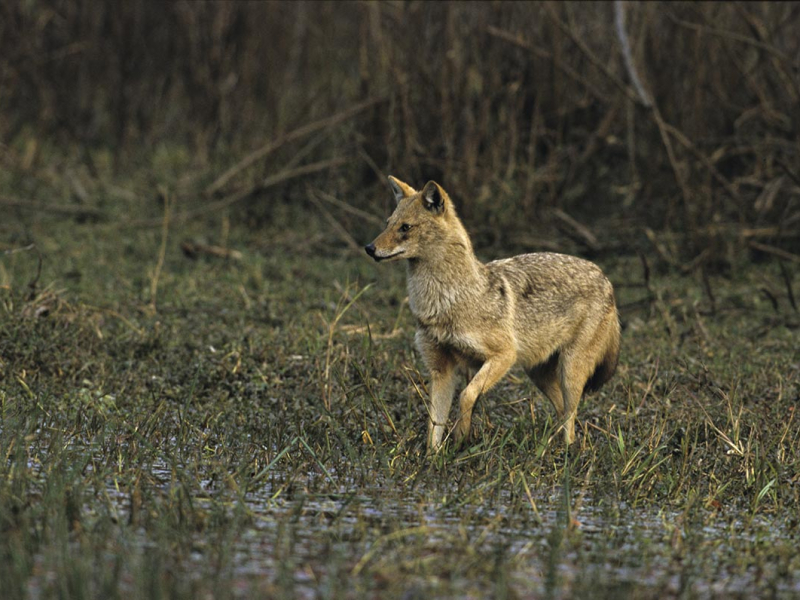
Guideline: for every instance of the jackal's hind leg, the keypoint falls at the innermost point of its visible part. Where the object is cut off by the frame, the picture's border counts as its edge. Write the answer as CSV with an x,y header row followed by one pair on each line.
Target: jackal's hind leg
x,y
575,371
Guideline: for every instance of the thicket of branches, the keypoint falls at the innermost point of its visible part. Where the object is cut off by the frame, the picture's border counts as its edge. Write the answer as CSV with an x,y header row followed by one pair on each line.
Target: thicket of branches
x,y
681,117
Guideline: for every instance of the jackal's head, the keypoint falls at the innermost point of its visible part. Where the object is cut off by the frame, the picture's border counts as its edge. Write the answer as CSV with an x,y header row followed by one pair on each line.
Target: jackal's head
x,y
420,225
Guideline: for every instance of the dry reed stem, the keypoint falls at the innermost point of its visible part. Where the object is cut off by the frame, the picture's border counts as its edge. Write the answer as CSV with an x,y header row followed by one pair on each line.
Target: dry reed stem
x,y
162,250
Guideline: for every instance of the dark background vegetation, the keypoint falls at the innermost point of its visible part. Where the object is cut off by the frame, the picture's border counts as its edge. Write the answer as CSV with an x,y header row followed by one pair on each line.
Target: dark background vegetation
x,y
525,112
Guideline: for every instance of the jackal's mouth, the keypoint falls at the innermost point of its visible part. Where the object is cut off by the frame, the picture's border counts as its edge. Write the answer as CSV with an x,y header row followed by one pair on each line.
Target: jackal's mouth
x,y
380,258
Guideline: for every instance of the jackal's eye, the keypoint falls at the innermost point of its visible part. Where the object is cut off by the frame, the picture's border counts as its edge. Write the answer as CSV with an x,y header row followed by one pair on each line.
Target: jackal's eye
x,y
405,227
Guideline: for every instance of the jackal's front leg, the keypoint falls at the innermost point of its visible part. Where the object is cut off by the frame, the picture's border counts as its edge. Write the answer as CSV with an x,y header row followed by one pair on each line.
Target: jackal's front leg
x,y
443,368
443,387
488,375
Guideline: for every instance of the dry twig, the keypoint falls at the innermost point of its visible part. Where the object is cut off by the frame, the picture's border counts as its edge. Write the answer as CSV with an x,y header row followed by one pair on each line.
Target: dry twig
x,y
541,53
193,249
580,230
338,227
350,209
59,209
779,252
270,147
236,197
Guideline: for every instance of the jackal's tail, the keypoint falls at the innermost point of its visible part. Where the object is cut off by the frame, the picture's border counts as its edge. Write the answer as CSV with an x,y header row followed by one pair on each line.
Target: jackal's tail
x,y
610,356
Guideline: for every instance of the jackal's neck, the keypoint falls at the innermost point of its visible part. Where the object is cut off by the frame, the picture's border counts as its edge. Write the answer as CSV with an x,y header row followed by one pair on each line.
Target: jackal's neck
x,y
437,285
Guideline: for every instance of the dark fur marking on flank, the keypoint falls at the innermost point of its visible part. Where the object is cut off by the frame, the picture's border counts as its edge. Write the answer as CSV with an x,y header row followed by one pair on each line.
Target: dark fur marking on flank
x,y
602,373
529,290
497,285
532,287
548,365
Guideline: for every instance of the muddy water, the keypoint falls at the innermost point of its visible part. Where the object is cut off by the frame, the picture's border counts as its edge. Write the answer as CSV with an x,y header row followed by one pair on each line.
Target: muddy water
x,y
422,543
388,539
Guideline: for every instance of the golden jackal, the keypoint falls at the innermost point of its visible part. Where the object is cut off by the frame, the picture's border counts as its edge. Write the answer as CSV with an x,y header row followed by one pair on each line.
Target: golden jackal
x,y
550,313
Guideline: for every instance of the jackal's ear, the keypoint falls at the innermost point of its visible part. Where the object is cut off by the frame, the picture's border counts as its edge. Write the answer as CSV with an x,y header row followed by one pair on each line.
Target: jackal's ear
x,y
433,196
399,189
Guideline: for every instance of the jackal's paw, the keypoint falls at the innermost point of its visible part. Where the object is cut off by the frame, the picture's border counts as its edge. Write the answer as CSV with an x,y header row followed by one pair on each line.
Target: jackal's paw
x,y
462,432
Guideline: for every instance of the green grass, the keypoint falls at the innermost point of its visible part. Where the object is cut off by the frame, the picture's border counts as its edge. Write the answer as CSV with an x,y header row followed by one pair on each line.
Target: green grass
x,y
234,428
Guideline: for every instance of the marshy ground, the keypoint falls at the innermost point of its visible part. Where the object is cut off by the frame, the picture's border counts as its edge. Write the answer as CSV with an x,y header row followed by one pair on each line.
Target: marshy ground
x,y
207,390
175,423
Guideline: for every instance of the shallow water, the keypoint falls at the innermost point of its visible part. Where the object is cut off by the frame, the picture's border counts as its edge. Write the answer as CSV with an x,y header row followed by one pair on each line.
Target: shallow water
x,y
383,536
418,538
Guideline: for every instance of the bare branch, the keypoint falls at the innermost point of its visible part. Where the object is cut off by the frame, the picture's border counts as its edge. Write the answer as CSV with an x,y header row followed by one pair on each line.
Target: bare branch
x,y
619,22
593,58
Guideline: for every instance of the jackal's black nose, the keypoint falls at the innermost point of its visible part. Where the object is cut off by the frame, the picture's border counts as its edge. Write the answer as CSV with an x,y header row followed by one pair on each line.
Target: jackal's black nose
x,y
370,250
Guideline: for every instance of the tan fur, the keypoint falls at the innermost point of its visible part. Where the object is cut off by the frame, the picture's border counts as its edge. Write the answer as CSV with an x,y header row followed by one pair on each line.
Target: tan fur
x,y
552,314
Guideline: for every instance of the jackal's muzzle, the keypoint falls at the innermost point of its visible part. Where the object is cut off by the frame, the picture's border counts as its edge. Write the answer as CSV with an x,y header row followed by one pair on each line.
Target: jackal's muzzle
x,y
370,249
